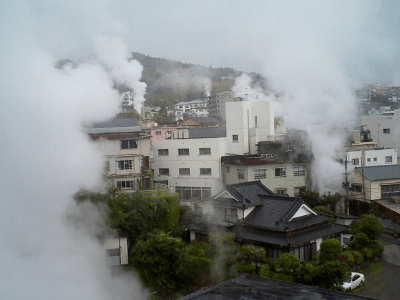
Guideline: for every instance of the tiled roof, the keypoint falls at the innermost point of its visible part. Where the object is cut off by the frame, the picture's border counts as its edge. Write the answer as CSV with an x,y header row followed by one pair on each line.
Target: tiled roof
x,y
262,236
390,205
380,172
315,232
204,120
115,125
251,287
207,132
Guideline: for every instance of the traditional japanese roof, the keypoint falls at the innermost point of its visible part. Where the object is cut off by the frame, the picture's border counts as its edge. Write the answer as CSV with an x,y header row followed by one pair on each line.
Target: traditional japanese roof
x,y
375,173
242,194
205,120
115,125
251,287
277,212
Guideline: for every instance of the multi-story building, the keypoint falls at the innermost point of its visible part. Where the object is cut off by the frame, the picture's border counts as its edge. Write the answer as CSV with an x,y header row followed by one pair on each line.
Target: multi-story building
x,y
127,152
194,108
216,104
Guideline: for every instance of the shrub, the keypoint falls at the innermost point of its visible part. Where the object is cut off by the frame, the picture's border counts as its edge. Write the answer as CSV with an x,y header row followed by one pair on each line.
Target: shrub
x,y
288,262
247,268
358,257
369,253
266,272
323,210
349,257
362,240
251,253
330,249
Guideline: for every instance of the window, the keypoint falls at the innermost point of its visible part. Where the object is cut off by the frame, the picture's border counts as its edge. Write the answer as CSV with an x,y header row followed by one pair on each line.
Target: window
x,y
128,144
205,171
368,159
356,161
280,172
228,169
240,174
162,152
158,132
184,171
299,171
260,173
183,151
375,159
255,121
281,192
386,130
163,171
299,190
204,151
125,164
388,159
126,184
390,190
235,138
193,193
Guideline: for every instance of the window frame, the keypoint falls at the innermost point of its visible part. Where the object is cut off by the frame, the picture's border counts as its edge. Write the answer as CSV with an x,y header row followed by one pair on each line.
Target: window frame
x,y
235,138
282,173
163,173
386,130
128,144
299,171
387,161
183,172
207,151
260,173
204,173
161,152
123,184
125,164
182,151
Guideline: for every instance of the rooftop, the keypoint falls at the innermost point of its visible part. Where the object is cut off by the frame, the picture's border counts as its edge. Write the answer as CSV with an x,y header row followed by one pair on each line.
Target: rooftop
x,y
115,125
375,173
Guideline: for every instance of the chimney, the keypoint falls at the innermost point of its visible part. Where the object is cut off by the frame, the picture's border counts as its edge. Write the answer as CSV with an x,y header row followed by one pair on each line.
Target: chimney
x,y
357,137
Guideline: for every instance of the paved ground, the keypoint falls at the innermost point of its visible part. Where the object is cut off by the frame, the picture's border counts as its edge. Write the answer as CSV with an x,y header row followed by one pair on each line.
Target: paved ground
x,y
382,280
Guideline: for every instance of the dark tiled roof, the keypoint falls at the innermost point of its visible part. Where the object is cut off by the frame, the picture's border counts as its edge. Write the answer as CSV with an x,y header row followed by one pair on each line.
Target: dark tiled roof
x,y
252,287
380,172
262,236
207,132
315,232
204,120
117,122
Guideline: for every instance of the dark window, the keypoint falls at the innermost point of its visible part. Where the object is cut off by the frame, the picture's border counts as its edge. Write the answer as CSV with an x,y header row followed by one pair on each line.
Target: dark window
x,y
240,174
126,184
280,172
386,130
299,171
388,159
125,164
184,171
260,173
162,152
356,161
205,171
183,151
163,171
158,132
235,138
128,144
204,151
281,192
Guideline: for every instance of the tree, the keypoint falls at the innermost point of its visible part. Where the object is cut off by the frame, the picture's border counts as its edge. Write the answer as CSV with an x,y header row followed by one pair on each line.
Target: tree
x,y
330,249
330,274
369,225
288,262
159,260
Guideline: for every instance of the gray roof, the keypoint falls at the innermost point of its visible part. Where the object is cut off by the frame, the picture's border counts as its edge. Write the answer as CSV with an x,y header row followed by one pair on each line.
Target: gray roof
x,y
205,119
115,125
380,172
253,287
207,132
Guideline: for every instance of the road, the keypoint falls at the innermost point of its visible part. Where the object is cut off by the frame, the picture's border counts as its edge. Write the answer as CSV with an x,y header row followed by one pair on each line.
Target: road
x,y
382,282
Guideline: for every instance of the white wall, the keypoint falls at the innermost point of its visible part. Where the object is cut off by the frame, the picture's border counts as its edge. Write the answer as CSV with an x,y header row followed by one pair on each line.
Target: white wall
x,y
376,157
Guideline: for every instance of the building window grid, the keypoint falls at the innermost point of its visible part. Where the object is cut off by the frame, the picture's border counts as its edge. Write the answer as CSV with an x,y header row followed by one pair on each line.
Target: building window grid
x,y
386,130
184,151
126,184
163,171
163,152
299,171
280,172
388,159
260,173
184,171
204,151
128,144
125,165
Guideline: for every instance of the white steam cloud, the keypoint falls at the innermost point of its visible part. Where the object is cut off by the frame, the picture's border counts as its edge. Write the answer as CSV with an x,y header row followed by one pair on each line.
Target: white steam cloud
x,y
114,54
45,159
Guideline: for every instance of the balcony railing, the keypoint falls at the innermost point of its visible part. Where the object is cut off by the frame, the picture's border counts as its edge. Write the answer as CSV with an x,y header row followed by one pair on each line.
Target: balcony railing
x,y
299,173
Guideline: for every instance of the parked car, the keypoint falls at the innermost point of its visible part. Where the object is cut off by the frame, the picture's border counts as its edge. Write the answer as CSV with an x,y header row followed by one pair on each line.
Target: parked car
x,y
355,280
346,239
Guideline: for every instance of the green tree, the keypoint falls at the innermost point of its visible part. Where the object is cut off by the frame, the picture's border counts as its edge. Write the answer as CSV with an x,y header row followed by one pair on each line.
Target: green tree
x,y
159,260
369,225
330,249
288,262
330,274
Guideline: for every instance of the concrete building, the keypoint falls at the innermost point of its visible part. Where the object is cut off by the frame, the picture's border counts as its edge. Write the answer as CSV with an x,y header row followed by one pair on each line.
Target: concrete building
x,y
372,157
194,108
126,150
375,183
216,104
190,162
384,128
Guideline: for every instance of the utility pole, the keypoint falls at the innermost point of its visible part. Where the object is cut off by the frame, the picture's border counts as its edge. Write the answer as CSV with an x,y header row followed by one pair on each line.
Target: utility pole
x,y
345,162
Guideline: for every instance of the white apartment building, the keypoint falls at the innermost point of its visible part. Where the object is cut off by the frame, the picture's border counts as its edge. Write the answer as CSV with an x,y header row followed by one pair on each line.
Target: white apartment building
x,y
126,151
248,123
384,128
372,157
195,108
190,162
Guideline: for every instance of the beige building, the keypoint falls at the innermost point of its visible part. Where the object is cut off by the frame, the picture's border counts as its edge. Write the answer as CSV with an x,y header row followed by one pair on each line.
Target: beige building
x,y
375,183
127,153
284,178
